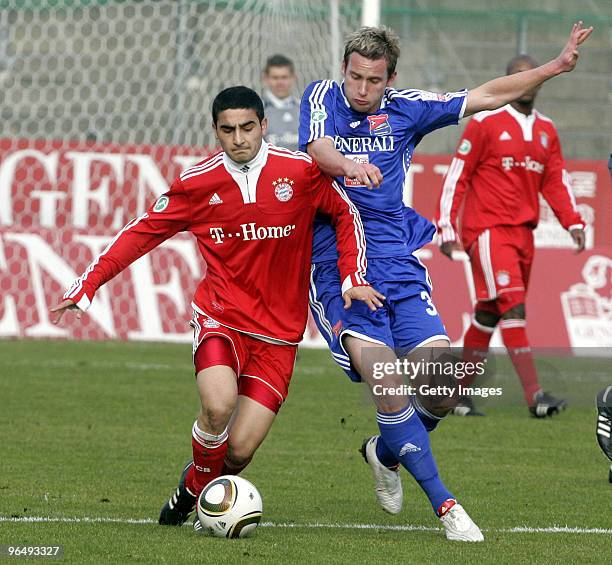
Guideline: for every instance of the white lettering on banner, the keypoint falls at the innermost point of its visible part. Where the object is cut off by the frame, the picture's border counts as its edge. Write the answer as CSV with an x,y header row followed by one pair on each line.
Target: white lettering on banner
x,y
8,167
586,307
48,205
408,191
150,180
83,193
584,184
440,169
147,293
551,234
42,258
186,161
101,310
9,325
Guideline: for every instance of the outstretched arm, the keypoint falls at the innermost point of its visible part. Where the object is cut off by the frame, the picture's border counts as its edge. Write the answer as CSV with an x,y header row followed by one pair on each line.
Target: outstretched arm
x,y
500,91
169,215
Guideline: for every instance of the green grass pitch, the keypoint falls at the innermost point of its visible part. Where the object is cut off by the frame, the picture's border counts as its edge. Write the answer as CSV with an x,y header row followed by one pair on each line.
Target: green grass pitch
x,y
101,430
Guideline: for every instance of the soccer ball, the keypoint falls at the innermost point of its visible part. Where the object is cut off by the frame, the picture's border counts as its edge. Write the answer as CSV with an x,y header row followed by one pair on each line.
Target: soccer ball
x,y
229,507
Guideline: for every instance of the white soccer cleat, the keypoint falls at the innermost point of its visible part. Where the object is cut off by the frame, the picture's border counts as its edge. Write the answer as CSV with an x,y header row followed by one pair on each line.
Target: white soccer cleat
x,y
458,524
388,483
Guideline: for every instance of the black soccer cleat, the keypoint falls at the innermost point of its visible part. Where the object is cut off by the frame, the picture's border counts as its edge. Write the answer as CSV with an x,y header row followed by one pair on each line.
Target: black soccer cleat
x,y
197,525
176,511
465,407
545,405
604,423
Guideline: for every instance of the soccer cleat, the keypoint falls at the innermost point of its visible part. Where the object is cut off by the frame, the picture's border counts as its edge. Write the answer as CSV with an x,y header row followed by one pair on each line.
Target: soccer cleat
x,y
197,525
182,503
604,423
388,483
457,523
545,405
465,407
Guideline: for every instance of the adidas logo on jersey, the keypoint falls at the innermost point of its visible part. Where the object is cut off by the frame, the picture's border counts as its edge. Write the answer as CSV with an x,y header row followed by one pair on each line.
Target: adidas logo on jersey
x,y
408,448
505,136
355,124
216,199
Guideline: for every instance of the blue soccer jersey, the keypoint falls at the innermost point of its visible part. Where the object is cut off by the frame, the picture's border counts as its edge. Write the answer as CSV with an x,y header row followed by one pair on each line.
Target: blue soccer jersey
x,y
387,139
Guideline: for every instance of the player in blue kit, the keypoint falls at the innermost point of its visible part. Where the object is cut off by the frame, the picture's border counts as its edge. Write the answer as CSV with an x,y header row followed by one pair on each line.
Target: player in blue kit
x,y
364,133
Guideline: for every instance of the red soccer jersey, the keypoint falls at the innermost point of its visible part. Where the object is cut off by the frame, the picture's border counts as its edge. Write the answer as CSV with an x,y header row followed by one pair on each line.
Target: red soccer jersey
x,y
253,224
503,161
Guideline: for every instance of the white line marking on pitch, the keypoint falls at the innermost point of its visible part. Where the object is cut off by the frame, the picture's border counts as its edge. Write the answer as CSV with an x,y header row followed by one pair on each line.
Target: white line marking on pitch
x,y
316,525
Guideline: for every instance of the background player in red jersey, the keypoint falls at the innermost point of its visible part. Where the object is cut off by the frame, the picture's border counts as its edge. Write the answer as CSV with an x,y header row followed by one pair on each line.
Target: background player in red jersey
x,y
251,209
505,159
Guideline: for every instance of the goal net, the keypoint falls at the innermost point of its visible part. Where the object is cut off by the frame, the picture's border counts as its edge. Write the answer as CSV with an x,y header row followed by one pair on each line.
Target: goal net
x,y
103,102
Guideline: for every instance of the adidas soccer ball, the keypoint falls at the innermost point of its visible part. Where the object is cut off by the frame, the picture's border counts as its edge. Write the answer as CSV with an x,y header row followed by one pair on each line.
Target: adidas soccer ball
x,y
229,507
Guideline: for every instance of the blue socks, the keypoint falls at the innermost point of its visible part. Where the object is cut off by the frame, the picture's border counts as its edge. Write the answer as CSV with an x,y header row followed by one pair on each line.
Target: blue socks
x,y
405,439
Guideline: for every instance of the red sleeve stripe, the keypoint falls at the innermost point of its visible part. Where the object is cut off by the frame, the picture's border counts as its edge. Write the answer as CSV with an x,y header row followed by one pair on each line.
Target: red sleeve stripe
x,y
362,263
446,200
77,285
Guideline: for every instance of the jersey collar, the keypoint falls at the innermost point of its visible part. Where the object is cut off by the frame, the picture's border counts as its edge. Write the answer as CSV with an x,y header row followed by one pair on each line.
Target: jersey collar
x,y
383,102
346,102
526,122
253,165
279,103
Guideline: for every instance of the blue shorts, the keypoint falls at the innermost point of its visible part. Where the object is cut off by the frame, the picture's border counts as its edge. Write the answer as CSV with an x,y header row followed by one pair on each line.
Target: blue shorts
x,y
407,320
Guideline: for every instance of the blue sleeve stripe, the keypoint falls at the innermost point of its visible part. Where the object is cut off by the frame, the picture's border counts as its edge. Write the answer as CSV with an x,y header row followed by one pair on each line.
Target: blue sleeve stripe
x,y
317,129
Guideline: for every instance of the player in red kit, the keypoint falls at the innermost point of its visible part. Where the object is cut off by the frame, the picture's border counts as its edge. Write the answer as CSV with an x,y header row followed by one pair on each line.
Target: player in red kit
x,y
251,209
504,161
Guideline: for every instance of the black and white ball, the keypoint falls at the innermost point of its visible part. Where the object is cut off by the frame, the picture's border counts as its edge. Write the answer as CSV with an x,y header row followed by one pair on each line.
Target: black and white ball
x,y
229,507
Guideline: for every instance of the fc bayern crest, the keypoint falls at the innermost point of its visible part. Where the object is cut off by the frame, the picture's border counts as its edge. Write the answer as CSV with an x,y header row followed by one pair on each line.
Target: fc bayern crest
x,y
503,278
283,188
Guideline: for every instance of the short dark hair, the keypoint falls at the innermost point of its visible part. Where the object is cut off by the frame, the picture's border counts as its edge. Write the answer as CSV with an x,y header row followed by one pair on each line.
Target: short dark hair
x,y
524,58
279,61
237,97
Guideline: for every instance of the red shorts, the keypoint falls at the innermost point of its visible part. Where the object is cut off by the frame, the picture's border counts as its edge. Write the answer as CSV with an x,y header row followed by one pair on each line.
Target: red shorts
x,y
264,369
501,260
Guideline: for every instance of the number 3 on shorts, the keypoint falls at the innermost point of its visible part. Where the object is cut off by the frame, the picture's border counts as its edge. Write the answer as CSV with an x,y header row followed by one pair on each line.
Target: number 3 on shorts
x,y
432,309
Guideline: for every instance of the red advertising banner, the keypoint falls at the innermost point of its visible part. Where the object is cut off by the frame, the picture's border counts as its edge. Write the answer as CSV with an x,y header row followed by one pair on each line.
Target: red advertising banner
x,y
61,204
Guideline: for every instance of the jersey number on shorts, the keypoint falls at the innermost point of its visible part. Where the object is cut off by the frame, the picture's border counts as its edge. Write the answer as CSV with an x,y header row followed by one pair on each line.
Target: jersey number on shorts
x,y
432,309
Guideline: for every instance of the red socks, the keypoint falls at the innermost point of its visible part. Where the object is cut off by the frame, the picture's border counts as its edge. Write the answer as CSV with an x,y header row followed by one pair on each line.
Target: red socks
x,y
515,340
208,455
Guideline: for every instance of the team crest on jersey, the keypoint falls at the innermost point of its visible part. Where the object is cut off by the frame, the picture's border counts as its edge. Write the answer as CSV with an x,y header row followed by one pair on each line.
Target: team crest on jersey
x,y
379,124
210,323
465,147
161,204
503,278
283,189
318,115
544,140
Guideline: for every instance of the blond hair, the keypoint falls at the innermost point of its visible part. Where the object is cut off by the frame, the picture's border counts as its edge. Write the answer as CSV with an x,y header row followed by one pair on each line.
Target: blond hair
x,y
374,43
